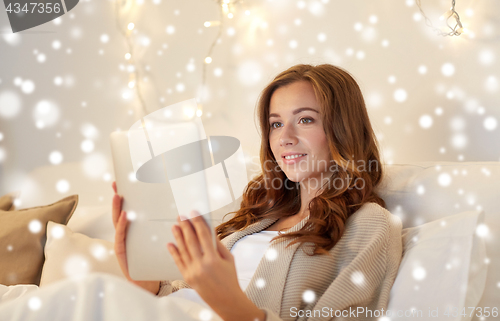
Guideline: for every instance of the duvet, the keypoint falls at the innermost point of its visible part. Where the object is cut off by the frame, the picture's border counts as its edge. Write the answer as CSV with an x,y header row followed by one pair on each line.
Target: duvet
x,y
97,297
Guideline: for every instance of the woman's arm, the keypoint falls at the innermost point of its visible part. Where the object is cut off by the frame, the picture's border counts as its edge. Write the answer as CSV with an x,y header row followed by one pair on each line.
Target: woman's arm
x,y
366,280
211,271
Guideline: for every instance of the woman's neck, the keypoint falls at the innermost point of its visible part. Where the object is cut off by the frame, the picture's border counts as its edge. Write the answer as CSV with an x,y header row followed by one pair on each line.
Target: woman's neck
x,y
309,188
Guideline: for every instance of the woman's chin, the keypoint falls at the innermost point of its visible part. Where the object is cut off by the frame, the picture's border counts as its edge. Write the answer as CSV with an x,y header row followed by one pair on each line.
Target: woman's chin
x,y
294,177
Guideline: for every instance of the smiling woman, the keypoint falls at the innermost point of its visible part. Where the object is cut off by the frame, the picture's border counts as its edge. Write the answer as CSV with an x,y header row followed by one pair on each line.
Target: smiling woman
x,y
315,194
318,111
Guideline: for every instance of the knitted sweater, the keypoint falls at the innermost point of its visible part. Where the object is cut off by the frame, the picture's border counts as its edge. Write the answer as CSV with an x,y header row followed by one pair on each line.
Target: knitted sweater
x,y
353,280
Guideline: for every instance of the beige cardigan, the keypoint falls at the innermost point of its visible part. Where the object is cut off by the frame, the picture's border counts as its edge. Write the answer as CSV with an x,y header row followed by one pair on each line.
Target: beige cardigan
x,y
359,273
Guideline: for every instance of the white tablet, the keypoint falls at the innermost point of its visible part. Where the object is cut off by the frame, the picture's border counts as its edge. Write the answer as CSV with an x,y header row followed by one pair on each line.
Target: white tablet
x,y
149,199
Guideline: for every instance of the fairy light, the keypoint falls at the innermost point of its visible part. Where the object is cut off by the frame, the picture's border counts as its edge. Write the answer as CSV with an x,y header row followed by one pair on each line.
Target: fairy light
x,y
457,30
133,70
226,8
211,23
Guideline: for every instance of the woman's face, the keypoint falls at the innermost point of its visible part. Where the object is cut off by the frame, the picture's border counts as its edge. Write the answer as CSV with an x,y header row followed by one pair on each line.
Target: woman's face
x,y
296,128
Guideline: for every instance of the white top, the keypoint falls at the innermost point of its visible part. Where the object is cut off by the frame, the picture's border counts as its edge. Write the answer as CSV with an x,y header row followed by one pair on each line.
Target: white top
x,y
247,252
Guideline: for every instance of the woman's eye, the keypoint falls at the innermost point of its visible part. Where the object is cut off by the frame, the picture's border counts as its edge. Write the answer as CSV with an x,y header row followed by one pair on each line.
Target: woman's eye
x,y
310,120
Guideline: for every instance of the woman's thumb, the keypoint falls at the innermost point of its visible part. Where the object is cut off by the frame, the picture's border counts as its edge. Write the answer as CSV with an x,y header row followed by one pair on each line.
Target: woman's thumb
x,y
222,249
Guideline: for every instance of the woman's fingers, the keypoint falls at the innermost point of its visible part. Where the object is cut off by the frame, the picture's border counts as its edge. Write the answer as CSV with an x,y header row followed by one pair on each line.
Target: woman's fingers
x,y
187,241
204,234
116,205
116,208
223,251
181,245
120,244
174,251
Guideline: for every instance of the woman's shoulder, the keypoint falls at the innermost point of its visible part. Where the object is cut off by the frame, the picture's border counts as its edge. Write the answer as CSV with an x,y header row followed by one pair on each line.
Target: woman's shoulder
x,y
371,215
371,225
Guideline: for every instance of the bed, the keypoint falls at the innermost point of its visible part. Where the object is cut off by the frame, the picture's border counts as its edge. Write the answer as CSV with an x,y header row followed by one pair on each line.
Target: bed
x,y
449,271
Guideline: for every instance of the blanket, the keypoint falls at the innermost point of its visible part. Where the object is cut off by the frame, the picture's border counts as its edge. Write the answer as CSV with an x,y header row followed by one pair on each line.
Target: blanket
x,y
96,297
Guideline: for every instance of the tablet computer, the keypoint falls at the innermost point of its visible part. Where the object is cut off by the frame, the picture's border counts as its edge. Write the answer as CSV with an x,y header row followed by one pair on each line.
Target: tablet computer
x,y
157,191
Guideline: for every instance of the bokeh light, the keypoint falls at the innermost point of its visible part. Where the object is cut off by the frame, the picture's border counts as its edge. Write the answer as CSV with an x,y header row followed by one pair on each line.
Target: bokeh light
x,y
448,69
62,186
45,114
10,104
400,95
308,296
55,157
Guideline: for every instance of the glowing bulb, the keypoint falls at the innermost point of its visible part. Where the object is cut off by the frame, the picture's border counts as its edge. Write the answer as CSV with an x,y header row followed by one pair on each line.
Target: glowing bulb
x,y
208,60
130,26
128,56
230,15
445,15
199,113
131,84
207,24
226,1
247,12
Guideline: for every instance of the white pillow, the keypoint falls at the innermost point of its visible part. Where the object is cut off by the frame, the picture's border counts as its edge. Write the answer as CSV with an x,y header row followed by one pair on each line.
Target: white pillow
x,y
443,267
93,221
74,255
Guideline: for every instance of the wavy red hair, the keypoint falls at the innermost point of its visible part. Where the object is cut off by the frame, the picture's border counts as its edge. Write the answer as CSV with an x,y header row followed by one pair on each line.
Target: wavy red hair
x,y
351,141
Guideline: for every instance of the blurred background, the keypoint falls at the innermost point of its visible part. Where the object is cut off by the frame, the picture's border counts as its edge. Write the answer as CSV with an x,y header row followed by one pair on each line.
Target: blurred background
x,y
67,84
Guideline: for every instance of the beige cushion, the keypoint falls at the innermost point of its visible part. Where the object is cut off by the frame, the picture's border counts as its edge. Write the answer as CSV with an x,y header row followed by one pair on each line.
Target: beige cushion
x,y
74,255
7,202
22,238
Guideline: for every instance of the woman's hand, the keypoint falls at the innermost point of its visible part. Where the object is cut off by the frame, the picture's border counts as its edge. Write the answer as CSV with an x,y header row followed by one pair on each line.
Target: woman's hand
x,y
210,271
121,225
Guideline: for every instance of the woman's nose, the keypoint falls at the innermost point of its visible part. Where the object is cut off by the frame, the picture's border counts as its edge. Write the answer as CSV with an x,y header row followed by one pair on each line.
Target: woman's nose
x,y
288,136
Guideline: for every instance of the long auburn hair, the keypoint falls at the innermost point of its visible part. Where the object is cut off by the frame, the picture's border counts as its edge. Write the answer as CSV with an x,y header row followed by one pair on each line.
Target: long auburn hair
x,y
351,141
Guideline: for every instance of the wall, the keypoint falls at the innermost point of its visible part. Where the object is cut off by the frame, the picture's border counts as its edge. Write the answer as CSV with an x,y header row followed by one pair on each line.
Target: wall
x,y
64,88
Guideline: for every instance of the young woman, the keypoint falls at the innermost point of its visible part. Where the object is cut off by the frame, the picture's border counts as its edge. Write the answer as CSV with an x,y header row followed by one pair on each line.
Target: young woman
x,y
312,239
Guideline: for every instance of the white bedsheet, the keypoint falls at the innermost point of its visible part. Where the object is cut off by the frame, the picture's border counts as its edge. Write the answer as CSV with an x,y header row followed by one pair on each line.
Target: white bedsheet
x,y
97,297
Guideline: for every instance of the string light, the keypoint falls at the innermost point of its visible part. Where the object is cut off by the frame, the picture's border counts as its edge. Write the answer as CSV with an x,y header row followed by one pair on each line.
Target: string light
x,y
225,9
457,30
134,76
211,23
